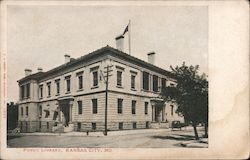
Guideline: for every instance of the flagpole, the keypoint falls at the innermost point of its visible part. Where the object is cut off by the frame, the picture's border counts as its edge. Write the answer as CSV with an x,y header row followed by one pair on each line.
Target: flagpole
x,y
129,36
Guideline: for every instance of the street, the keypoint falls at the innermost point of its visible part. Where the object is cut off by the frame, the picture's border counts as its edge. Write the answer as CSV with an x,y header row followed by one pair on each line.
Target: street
x,y
145,138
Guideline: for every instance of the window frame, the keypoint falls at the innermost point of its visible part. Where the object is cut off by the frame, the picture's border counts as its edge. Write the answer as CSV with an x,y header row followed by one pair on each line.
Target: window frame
x,y
119,78
21,111
22,92
94,106
95,78
155,83
40,110
80,82
120,125
27,110
132,78
172,110
80,108
163,83
49,89
133,107
68,85
146,108
28,90
57,82
119,105
145,81
93,126
134,125
40,91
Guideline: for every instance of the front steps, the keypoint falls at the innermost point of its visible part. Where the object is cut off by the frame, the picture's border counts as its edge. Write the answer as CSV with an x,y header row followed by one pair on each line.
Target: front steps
x,y
157,125
62,129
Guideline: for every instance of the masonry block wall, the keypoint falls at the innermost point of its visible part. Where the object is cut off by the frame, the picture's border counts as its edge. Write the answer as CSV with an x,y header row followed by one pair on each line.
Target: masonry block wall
x,y
126,100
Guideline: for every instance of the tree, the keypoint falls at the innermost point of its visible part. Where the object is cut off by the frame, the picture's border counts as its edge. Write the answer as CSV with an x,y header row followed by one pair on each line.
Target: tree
x,y
190,94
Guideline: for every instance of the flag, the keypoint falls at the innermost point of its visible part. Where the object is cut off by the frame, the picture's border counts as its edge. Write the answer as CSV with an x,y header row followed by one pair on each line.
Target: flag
x,y
126,30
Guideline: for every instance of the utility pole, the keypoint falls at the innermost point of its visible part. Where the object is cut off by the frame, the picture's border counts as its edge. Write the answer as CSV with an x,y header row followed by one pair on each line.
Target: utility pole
x,y
107,71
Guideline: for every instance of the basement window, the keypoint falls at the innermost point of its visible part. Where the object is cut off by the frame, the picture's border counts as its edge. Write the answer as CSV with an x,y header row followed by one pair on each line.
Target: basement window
x,y
120,125
93,126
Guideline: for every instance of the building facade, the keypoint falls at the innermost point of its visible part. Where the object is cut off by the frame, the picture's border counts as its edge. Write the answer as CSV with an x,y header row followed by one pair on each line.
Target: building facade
x,y
71,97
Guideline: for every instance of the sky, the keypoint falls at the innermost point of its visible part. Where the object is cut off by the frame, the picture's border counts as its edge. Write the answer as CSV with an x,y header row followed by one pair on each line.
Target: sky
x,y
40,36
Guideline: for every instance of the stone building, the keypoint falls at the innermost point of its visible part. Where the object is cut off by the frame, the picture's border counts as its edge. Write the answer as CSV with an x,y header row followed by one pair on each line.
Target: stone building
x,y
71,97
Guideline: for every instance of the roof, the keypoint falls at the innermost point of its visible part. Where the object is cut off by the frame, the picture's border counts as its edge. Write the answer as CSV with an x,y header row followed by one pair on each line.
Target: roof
x,y
100,52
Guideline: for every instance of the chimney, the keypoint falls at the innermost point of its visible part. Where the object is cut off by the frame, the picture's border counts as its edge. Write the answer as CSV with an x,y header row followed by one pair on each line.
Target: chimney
x,y
119,42
67,58
151,58
39,69
27,72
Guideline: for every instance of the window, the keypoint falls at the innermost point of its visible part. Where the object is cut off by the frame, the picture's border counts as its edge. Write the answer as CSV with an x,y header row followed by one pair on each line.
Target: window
x,y
27,110
119,78
55,114
21,111
40,124
95,78
41,91
68,84
146,107
79,107
134,125
94,106
49,89
80,86
78,126
47,113
163,83
155,83
93,126
28,90
147,124
120,125
47,125
145,80
119,105
172,110
172,84
22,92
21,126
133,107
40,110
26,125
57,87
133,81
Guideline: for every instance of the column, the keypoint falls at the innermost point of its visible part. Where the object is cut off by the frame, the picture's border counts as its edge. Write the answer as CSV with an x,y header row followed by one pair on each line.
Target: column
x,y
70,111
163,113
153,113
60,114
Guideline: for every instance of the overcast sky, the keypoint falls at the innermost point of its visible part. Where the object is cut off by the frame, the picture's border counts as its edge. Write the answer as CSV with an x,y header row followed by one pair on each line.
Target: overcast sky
x,y
40,36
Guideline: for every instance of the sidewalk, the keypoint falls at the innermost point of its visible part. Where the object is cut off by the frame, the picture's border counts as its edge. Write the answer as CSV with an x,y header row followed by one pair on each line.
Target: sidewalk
x,y
94,134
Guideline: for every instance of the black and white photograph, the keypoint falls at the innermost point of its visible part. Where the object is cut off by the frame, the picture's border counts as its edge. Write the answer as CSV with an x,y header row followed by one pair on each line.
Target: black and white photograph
x,y
99,77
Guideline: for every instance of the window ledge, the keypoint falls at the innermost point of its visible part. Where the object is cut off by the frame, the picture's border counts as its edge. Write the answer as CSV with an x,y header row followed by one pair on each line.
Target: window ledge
x,y
133,89
79,90
119,86
145,90
57,95
94,87
48,96
67,92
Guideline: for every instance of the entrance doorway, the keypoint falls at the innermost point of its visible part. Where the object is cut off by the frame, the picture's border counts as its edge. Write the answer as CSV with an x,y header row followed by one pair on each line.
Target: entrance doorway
x,y
65,111
65,117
